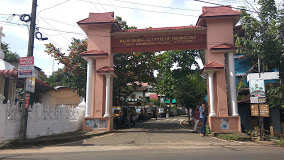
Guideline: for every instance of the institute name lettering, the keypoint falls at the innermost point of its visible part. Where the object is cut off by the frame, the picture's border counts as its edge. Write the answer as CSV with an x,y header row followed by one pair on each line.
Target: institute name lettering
x,y
158,41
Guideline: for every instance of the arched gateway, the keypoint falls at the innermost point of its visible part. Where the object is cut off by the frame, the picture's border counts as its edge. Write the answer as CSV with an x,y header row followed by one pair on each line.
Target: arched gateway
x,y
213,32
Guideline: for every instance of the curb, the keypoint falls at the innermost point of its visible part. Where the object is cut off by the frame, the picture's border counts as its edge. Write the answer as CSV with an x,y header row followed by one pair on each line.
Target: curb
x,y
35,143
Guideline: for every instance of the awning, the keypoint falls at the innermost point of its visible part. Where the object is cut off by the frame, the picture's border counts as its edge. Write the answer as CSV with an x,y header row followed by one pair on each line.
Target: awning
x,y
14,73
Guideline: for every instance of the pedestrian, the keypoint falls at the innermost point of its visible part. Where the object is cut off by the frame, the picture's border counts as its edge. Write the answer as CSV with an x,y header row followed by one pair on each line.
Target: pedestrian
x,y
203,117
196,116
155,113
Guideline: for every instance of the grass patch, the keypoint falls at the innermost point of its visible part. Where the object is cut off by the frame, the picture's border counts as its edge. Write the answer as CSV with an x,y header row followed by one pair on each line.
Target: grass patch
x,y
230,137
280,142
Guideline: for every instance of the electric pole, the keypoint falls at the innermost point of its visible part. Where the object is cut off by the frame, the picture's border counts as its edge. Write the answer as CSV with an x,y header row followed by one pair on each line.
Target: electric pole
x,y
24,116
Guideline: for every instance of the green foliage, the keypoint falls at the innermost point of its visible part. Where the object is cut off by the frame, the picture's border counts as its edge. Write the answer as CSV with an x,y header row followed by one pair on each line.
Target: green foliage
x,y
132,68
280,142
208,130
74,73
123,25
176,79
9,56
58,78
190,90
274,95
263,37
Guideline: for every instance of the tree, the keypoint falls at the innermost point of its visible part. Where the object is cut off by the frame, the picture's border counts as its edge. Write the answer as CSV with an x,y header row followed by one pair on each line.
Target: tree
x,y
9,56
58,78
263,37
74,73
191,90
123,24
177,79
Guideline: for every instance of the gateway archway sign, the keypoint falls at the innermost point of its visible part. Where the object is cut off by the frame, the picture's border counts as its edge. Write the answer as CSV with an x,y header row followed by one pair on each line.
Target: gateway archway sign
x,y
213,32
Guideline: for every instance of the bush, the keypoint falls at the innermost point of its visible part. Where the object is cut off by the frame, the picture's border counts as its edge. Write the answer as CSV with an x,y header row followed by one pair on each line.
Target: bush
x,y
208,131
280,142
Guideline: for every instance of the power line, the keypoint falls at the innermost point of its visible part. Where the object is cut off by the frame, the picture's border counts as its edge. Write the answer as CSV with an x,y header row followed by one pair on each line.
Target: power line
x,y
54,28
53,6
224,5
114,7
94,5
144,9
17,24
58,21
54,41
157,6
71,24
101,5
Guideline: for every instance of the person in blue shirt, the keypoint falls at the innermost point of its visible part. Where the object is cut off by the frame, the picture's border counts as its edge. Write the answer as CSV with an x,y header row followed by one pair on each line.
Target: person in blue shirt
x,y
203,118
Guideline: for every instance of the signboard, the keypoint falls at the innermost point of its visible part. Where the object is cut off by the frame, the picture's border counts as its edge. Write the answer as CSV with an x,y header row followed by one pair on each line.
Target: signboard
x,y
224,124
27,100
30,84
264,110
257,91
160,42
26,67
153,97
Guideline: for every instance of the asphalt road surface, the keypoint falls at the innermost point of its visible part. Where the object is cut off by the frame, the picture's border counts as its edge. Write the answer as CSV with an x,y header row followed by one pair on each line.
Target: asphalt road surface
x,y
163,139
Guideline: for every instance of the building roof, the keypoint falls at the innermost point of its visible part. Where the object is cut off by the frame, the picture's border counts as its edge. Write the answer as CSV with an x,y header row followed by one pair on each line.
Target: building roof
x,y
224,46
95,18
213,66
105,69
159,29
38,81
94,53
218,11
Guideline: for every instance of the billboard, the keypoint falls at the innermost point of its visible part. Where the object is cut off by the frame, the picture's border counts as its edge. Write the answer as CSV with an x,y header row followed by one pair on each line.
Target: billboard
x,y
257,91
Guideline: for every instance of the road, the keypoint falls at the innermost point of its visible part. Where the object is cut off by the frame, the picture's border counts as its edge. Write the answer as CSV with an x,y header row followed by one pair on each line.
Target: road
x,y
158,139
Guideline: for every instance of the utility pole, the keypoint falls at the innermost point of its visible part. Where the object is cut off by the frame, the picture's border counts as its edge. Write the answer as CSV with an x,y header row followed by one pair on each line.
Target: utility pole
x,y
24,116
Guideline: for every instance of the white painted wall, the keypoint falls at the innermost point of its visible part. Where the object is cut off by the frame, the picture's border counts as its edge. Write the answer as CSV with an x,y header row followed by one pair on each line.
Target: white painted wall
x,y
42,121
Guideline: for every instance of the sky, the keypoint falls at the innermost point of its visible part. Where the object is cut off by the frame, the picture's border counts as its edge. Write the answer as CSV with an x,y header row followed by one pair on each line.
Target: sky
x,y
55,17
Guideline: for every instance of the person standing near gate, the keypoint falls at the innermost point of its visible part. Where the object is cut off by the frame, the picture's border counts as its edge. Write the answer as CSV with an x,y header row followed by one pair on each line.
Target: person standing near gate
x,y
203,117
196,117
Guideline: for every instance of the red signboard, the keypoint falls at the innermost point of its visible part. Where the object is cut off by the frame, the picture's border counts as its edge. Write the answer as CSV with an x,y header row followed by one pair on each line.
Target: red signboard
x,y
158,43
26,67
26,61
153,97
27,100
